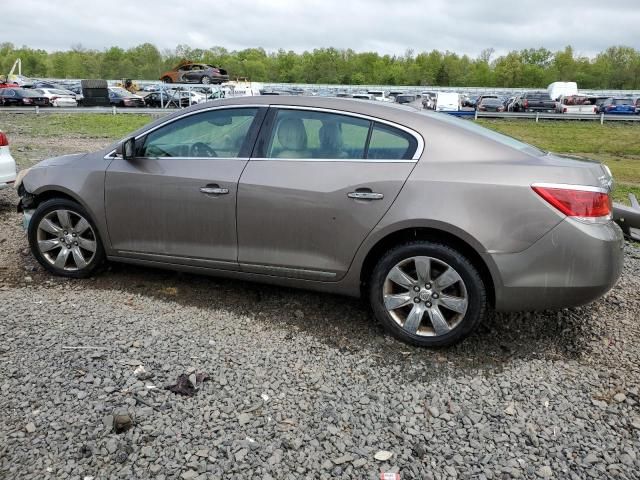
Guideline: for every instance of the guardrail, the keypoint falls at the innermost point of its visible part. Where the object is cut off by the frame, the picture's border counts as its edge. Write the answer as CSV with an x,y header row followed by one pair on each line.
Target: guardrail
x,y
537,116
471,114
100,110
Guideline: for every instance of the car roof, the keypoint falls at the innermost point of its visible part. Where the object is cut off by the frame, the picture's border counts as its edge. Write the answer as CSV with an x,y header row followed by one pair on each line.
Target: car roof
x,y
382,110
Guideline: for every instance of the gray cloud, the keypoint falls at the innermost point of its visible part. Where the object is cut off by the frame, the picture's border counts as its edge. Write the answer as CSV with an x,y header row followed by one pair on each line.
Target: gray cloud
x,y
464,26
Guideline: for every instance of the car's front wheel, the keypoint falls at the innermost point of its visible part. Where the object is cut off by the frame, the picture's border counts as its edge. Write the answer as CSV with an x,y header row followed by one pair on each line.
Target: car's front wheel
x,y
427,294
205,80
64,240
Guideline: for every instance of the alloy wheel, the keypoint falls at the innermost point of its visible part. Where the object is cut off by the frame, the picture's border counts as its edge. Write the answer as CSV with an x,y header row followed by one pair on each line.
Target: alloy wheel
x,y
425,296
66,240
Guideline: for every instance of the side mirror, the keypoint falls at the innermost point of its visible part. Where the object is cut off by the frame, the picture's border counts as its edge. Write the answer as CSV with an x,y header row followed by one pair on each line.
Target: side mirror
x,y
127,149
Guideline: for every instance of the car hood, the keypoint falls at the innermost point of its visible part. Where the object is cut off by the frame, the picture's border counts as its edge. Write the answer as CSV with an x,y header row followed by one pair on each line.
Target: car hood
x,y
58,161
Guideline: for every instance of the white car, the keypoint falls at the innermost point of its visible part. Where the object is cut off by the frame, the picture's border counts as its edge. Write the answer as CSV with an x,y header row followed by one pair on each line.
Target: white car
x,y
7,163
59,98
576,105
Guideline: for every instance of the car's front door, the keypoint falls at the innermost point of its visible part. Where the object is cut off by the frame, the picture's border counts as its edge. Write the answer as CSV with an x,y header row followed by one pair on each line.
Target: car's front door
x,y
176,201
316,186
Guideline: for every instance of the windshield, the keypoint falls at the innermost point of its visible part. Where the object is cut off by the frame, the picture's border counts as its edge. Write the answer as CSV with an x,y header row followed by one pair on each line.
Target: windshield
x,y
473,127
623,101
491,101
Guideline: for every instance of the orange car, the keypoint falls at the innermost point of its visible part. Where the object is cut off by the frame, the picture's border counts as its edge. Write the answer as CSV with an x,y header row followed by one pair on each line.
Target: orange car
x,y
195,73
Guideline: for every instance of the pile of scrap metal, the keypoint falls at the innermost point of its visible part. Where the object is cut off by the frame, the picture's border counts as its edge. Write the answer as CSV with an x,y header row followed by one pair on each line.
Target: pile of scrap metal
x,y
628,217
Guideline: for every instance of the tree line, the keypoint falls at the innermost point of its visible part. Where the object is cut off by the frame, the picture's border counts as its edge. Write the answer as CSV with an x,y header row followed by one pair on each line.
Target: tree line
x,y
617,67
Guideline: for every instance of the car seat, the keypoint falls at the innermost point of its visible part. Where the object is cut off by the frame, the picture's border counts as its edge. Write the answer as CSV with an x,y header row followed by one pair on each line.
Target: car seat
x,y
293,139
331,145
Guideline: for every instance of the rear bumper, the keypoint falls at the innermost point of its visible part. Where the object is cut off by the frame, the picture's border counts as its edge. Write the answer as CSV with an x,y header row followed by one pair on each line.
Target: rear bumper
x,y
574,264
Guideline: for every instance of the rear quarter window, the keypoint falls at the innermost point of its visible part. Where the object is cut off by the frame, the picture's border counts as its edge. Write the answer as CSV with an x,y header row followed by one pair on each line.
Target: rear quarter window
x,y
389,143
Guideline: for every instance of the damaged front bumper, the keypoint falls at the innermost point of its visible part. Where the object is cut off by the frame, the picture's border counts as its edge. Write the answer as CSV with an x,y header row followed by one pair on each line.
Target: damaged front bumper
x,y
26,205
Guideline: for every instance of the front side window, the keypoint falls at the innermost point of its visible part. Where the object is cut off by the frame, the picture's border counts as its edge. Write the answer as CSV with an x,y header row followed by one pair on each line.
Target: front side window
x,y
215,133
310,134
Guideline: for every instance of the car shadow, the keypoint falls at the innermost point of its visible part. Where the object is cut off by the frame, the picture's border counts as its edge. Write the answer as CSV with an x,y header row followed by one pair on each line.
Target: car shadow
x,y
348,325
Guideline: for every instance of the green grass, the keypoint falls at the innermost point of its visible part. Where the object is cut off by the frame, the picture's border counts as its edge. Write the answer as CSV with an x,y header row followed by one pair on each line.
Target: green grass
x,y
82,125
615,144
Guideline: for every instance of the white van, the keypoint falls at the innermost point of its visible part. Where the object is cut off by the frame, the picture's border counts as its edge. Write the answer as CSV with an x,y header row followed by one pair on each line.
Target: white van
x,y
447,102
558,89
379,95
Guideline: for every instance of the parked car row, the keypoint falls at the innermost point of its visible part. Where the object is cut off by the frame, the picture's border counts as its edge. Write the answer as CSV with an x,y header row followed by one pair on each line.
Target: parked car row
x,y
539,101
43,94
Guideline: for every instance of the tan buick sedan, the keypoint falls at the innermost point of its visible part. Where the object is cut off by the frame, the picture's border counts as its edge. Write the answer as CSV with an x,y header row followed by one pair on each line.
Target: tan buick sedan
x,y
431,218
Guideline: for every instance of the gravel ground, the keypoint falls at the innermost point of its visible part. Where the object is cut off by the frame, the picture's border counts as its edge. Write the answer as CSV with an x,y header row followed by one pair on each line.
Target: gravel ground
x,y
301,385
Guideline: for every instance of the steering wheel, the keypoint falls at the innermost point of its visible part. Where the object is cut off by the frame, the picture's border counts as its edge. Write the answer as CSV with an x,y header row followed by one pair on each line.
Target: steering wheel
x,y
201,149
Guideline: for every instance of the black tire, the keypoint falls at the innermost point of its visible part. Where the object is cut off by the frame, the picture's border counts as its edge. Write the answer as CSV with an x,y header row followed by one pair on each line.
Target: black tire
x,y
205,80
475,291
57,204
167,80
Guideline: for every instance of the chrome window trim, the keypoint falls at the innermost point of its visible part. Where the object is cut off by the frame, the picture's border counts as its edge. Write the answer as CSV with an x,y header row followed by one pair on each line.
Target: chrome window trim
x,y
353,160
111,155
243,159
416,156
566,186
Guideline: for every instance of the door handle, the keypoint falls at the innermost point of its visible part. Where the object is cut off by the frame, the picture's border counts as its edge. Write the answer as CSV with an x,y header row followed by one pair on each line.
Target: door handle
x,y
214,190
365,195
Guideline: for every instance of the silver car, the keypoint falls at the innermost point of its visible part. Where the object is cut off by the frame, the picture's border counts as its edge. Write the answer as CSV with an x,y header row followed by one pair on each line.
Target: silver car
x,y
431,218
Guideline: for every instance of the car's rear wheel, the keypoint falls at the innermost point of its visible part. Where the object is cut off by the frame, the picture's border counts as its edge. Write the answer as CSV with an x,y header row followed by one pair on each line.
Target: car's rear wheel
x,y
427,294
64,239
167,80
205,80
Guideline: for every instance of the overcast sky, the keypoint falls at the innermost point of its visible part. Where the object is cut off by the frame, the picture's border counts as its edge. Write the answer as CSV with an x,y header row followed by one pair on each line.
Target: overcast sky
x,y
384,26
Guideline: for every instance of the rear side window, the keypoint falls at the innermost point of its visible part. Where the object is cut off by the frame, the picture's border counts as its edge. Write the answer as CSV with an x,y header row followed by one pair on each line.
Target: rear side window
x,y
300,134
389,143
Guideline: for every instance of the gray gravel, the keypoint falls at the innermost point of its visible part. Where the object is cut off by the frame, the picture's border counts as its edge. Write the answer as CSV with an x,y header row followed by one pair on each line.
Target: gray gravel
x,y
301,385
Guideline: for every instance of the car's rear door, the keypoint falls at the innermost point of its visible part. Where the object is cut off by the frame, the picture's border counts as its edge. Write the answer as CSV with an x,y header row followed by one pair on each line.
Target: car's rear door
x,y
176,201
317,185
194,74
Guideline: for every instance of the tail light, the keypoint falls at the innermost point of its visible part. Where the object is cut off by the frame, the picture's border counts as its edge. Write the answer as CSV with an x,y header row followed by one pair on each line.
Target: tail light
x,y
564,110
27,101
4,141
526,104
582,202
610,107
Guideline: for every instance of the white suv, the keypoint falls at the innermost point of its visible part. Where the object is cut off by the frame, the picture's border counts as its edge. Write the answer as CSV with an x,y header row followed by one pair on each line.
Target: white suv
x,y
7,163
